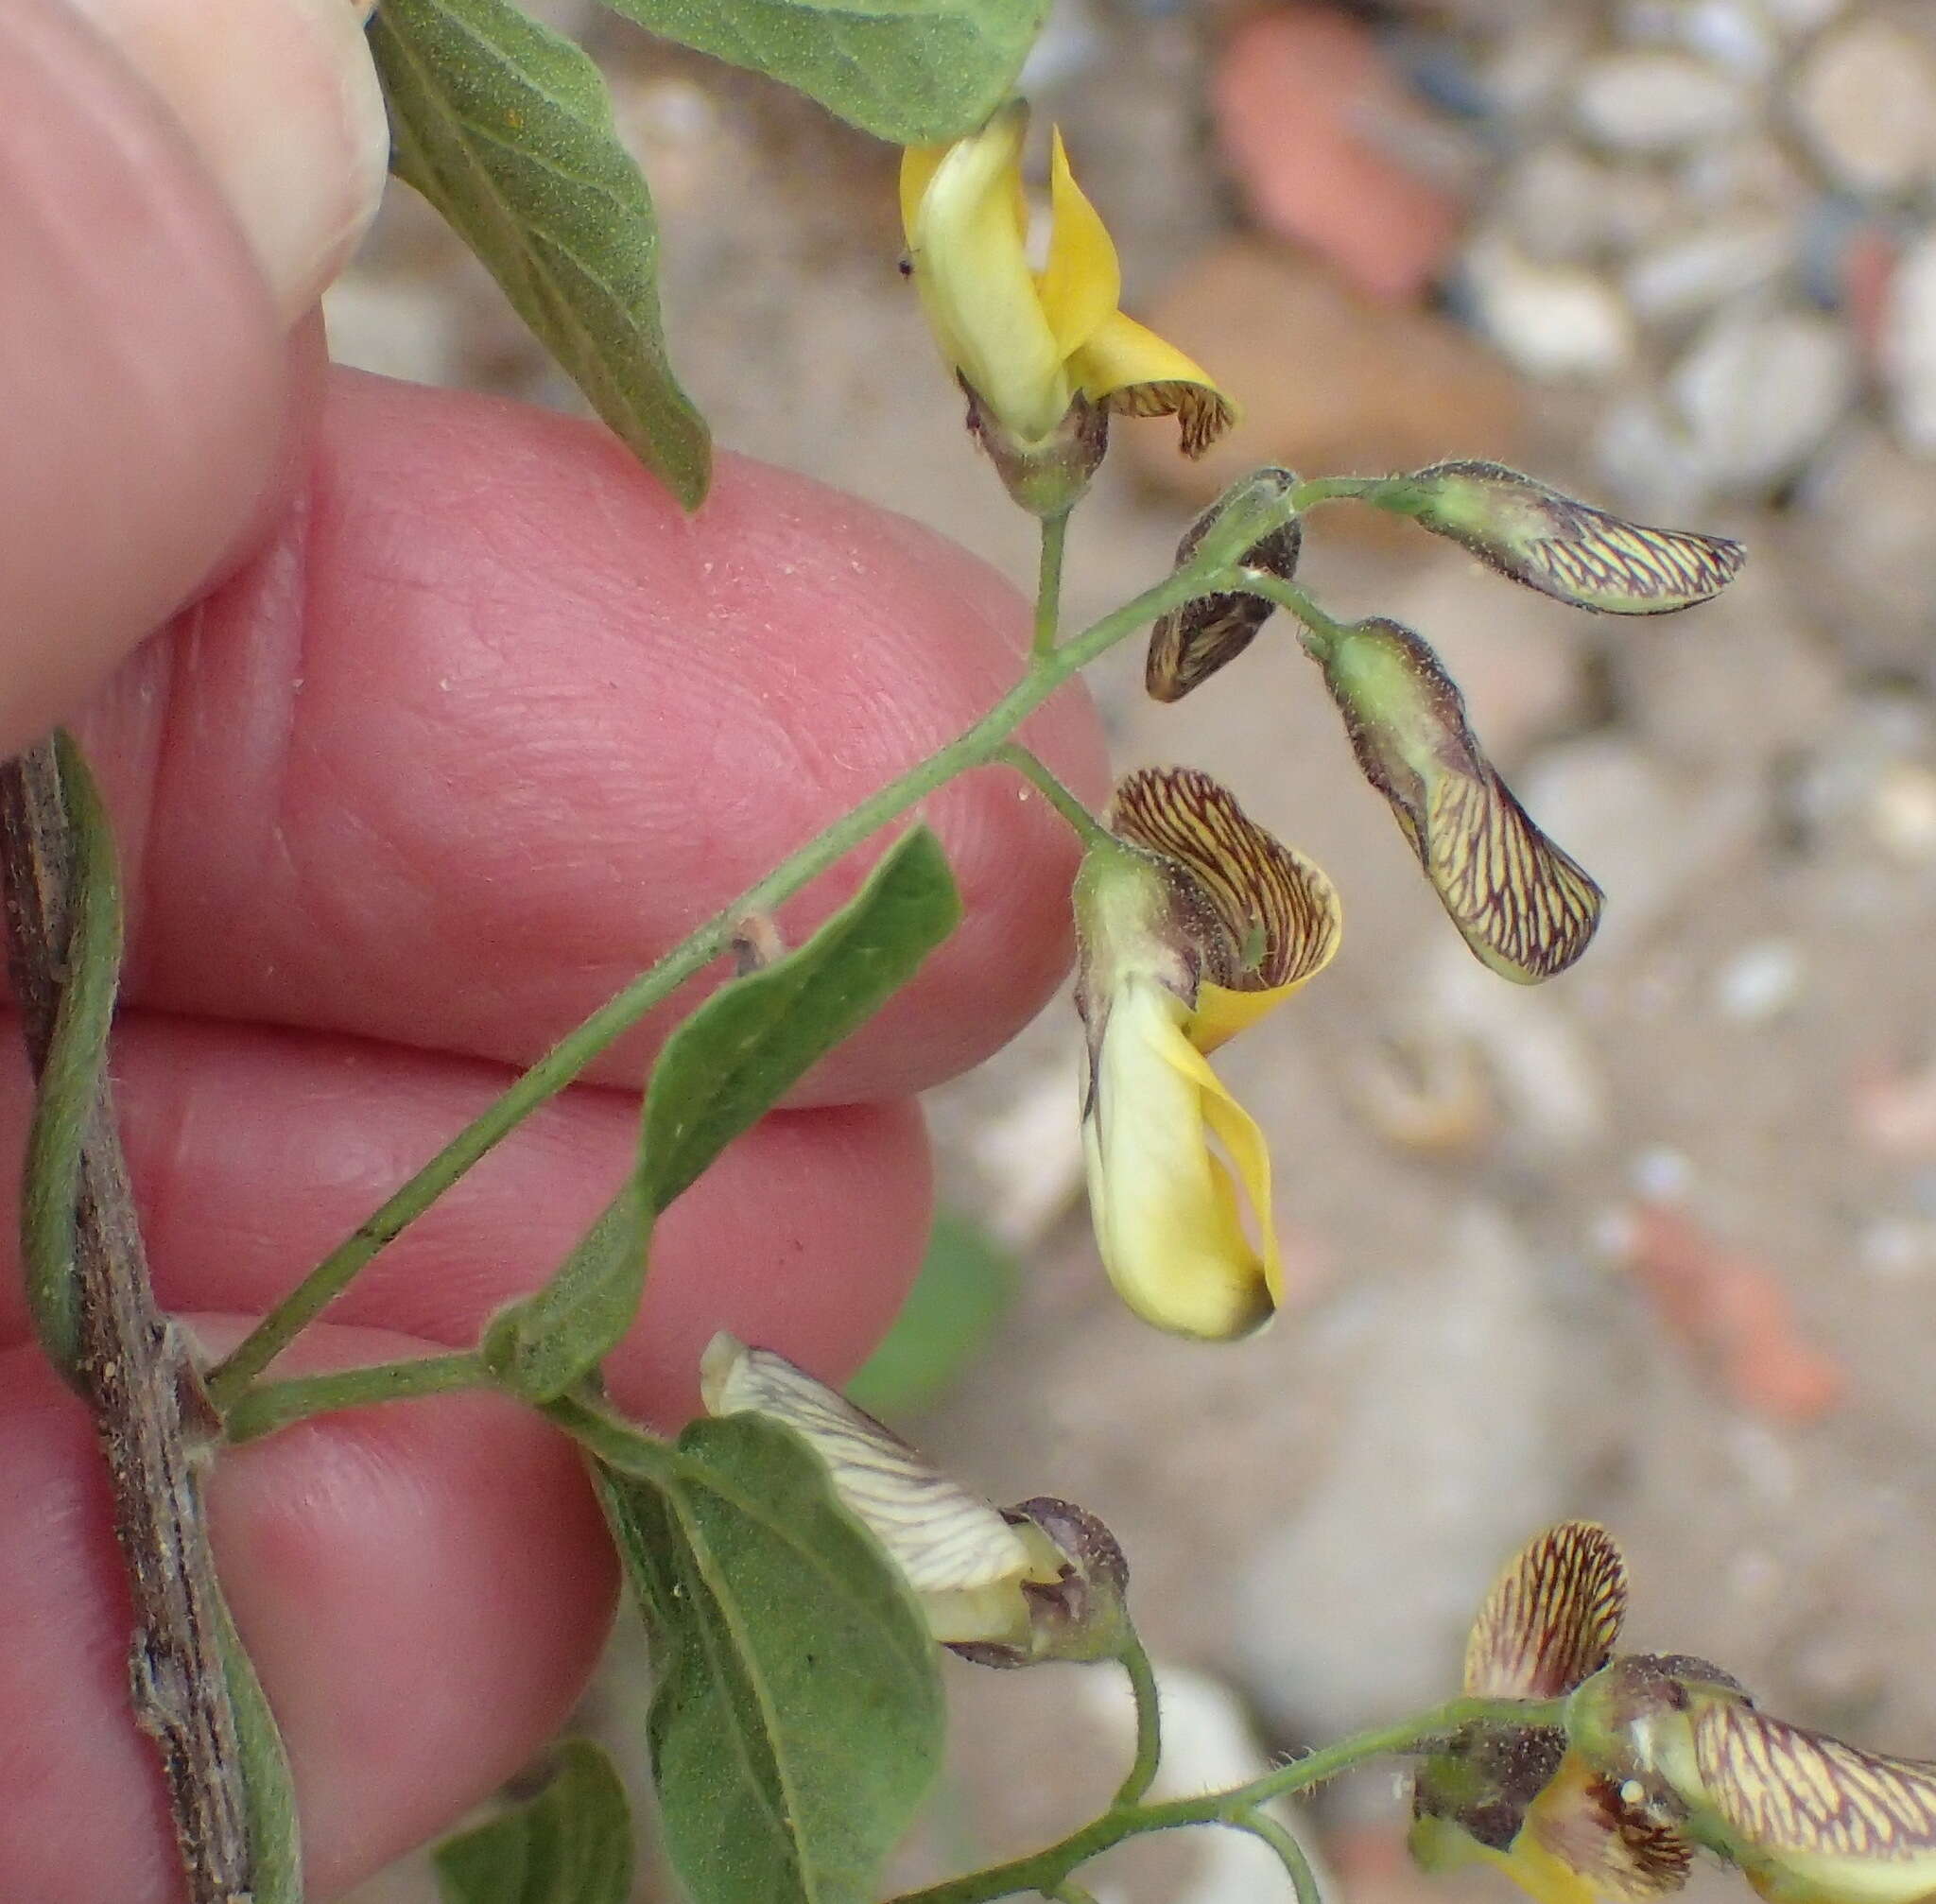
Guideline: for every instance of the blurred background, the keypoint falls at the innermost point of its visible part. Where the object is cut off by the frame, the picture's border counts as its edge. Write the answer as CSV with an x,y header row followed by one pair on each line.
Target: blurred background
x,y
1655,1243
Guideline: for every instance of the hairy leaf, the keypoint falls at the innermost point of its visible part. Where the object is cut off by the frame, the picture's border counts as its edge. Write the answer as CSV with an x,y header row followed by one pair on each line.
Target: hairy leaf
x,y
570,1845
754,1039
541,1346
912,71
797,1717
505,128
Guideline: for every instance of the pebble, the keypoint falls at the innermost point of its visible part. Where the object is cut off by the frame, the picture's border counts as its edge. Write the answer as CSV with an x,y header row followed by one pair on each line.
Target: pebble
x,y
1400,387
1908,345
1687,275
1902,812
1564,206
1559,322
1723,387
392,326
1864,102
1762,981
1646,101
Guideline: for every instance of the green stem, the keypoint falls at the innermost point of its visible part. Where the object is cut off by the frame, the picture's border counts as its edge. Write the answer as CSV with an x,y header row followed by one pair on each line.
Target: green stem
x,y
277,1405
1044,1870
1048,582
974,747
1290,1854
1089,829
1135,1662
1335,488
1322,634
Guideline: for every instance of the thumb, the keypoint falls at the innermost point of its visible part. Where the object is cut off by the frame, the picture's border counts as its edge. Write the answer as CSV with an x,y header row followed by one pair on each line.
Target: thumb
x,y
177,181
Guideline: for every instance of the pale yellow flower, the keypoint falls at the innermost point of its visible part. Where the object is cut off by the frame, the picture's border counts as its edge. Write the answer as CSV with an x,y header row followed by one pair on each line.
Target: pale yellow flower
x,y
1196,926
1026,342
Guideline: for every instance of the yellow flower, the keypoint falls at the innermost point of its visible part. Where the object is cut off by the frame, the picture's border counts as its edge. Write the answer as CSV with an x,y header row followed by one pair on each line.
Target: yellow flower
x,y
1026,342
1195,925
1003,1586
1808,1819
1517,1797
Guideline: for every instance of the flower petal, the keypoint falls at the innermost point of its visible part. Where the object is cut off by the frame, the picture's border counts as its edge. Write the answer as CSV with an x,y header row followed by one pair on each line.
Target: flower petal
x,y
1167,1211
1136,374
919,164
1526,909
972,270
962,1559
1531,533
1784,1789
1082,283
1278,910
1623,1851
1552,1615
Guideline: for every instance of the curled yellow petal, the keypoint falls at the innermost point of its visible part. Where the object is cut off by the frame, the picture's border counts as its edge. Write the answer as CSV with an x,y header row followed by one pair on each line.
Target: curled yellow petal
x,y
964,1562
1167,1211
966,246
1082,283
919,164
1135,373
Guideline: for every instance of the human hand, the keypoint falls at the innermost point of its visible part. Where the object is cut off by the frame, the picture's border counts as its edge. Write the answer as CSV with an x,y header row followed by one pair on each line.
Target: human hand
x,y
470,726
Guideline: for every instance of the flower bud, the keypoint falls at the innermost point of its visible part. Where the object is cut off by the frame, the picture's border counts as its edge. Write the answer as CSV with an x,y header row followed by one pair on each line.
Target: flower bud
x,y
1570,550
1524,908
1189,644
1079,1618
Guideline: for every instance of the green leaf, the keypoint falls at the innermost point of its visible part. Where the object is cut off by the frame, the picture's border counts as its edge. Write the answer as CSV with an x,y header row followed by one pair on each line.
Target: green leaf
x,y
70,1084
275,1846
967,1280
542,1345
570,1845
912,71
797,1719
505,128
755,1037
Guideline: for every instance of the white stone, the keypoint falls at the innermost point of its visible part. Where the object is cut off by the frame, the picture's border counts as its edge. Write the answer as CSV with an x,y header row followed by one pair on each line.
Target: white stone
x,y
1759,391
1864,98
1761,981
1647,461
1689,274
1908,345
1647,101
1557,321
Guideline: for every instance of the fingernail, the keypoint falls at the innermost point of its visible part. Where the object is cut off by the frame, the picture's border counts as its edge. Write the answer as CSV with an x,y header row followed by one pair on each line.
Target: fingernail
x,y
281,100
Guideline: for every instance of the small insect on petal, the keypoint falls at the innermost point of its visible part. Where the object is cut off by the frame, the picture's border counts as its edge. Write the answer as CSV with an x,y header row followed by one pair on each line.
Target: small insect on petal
x,y
1532,534
1192,642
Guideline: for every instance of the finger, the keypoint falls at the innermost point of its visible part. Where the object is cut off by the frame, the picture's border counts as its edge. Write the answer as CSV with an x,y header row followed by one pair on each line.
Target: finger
x,y
493,725
253,1155
148,274
423,1587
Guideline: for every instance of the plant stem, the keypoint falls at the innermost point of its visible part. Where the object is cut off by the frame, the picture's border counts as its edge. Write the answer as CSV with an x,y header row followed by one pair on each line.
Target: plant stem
x,y
277,1405
1135,1662
1322,634
1044,1870
974,747
1334,489
1290,1854
1048,582
1088,828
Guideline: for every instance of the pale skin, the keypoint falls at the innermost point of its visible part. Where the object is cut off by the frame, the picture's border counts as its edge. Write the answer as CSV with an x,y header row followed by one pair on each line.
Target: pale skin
x,y
544,726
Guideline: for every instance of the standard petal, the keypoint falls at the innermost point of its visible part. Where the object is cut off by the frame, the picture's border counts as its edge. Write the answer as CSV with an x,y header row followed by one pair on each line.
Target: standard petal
x,y
1552,1615
1135,373
1279,913
1167,1213
964,1562
972,273
1082,283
